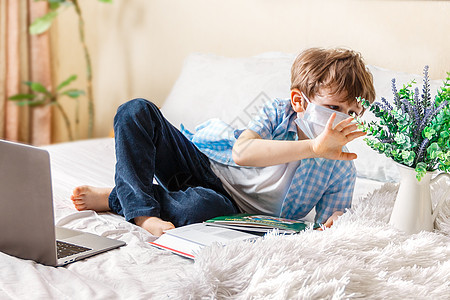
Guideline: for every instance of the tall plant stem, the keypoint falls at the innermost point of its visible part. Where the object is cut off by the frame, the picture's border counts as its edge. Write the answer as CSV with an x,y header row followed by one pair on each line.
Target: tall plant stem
x,y
65,117
89,94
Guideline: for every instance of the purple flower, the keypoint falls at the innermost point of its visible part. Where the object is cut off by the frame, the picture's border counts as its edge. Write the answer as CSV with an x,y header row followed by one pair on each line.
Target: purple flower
x,y
386,104
396,95
426,97
422,148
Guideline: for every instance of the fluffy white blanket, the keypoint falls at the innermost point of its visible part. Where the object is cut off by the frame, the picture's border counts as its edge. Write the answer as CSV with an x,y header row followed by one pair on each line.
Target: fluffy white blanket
x,y
361,256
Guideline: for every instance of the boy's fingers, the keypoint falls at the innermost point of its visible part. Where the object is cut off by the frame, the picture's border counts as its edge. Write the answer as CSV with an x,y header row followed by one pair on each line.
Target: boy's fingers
x,y
343,123
347,156
349,128
328,223
354,135
329,125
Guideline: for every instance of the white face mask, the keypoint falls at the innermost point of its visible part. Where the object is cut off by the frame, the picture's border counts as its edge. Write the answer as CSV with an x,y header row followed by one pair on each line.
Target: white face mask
x,y
314,118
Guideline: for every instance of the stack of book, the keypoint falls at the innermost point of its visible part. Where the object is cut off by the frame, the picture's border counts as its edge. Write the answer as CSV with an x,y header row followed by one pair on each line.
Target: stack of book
x,y
188,240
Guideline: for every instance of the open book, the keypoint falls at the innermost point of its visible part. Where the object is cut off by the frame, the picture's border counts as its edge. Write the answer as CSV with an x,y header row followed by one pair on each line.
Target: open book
x,y
260,223
188,240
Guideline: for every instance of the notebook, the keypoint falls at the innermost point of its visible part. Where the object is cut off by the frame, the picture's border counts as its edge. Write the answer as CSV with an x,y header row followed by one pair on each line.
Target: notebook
x,y
26,212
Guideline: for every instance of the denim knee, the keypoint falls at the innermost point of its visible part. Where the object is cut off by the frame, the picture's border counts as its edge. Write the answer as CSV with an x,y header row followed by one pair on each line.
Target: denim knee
x,y
136,109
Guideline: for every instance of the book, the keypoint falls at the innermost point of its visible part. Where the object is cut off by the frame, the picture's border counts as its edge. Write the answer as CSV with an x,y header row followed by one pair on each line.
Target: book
x,y
260,223
188,240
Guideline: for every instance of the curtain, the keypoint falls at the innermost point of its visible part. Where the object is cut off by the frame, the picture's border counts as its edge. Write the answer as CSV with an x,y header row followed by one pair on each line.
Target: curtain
x,y
23,58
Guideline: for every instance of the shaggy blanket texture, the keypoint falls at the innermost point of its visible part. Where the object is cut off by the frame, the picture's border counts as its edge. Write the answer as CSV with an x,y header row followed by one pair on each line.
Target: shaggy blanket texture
x,y
360,256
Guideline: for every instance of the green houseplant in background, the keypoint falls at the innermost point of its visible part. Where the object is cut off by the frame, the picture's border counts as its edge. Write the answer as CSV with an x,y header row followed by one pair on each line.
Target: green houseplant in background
x,y
39,92
414,132
42,96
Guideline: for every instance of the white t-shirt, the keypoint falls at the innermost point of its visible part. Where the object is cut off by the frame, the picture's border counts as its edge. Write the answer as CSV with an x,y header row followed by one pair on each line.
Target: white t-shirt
x,y
257,189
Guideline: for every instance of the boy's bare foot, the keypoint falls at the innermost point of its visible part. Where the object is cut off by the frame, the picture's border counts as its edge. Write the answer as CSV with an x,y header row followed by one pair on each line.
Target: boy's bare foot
x,y
154,225
87,197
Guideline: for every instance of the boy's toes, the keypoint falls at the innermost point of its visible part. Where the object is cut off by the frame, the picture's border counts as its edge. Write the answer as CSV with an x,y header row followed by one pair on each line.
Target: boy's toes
x,y
79,190
78,202
80,207
168,226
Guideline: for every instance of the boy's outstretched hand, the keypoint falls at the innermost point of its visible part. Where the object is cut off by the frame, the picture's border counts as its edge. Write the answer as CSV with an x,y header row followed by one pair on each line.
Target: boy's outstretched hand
x,y
329,143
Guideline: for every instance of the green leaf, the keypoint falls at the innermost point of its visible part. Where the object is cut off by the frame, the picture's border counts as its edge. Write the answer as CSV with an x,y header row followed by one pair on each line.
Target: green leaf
x,y
433,150
32,102
22,97
408,157
43,23
66,82
36,103
400,138
106,1
421,170
54,5
37,87
73,93
23,103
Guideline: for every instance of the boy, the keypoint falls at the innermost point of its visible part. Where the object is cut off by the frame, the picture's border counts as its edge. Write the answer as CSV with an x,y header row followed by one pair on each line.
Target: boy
x,y
288,161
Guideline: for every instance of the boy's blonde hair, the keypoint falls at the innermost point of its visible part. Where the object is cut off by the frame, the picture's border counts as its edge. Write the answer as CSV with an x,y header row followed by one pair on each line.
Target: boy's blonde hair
x,y
339,70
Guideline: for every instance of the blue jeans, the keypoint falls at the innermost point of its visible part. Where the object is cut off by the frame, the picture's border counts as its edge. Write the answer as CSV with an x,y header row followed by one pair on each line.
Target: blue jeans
x,y
148,146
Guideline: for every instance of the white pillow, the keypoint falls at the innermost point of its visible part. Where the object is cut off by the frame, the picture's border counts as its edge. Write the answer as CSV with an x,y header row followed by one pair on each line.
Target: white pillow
x,y
233,89
372,165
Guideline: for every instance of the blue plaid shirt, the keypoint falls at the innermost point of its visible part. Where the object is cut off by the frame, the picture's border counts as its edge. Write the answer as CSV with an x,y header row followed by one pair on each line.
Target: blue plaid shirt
x,y
327,186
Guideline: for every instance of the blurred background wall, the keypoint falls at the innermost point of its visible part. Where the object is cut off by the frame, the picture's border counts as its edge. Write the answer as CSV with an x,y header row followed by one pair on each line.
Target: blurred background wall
x,y
138,46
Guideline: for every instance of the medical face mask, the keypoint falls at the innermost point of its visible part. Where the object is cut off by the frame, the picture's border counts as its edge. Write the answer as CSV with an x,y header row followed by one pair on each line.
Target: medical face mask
x,y
313,120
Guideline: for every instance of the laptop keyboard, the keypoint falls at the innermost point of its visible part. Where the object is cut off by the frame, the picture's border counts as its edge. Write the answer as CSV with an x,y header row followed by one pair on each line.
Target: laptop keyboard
x,y
65,249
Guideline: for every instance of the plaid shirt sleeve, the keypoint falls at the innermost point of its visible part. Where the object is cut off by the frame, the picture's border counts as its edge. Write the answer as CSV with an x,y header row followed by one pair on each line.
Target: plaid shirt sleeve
x,y
338,196
216,138
266,121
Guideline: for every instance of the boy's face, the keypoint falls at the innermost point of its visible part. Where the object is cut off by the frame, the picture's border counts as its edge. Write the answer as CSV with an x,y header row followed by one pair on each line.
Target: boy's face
x,y
337,102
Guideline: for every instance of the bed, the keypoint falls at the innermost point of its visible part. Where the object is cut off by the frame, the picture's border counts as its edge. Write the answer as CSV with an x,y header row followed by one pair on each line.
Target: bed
x,y
361,256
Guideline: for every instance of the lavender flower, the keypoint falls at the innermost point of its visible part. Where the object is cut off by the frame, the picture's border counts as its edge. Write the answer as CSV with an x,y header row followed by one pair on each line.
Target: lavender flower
x,y
414,131
418,103
396,95
426,97
388,106
387,140
383,107
422,149
403,108
430,114
408,107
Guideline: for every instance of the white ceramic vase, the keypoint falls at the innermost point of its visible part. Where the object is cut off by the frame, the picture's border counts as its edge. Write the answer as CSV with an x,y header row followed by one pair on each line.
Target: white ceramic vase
x,y
412,210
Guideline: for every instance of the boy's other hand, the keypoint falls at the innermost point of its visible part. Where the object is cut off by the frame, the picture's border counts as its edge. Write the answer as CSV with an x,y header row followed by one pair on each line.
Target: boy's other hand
x,y
329,143
333,218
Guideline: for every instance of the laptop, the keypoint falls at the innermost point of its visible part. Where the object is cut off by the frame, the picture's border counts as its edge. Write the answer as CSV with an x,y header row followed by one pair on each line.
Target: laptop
x,y
26,212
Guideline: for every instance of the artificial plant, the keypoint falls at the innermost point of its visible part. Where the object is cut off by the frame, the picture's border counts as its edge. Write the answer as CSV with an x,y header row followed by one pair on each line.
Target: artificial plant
x,y
41,25
415,130
42,96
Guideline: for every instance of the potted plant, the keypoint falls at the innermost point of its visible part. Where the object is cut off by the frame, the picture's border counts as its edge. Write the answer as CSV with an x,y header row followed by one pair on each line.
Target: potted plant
x,y
414,131
39,95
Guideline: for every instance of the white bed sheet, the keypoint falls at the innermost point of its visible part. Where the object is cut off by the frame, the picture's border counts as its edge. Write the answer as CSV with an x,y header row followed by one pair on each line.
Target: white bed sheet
x,y
135,271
